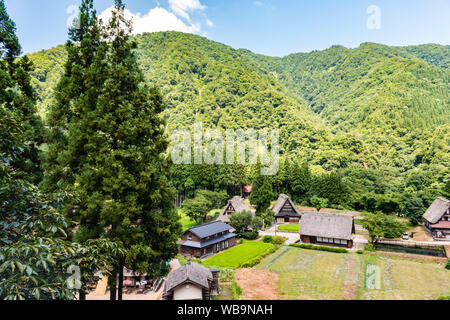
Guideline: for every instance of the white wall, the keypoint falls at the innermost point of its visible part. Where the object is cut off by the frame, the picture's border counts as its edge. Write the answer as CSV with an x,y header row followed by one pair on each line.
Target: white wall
x,y
188,292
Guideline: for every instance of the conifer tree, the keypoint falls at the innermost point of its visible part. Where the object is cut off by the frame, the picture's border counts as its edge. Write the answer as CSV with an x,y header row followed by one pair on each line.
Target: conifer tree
x,y
109,145
17,96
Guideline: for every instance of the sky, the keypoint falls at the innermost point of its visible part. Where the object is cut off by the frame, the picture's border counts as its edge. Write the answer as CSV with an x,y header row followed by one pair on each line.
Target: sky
x,y
271,27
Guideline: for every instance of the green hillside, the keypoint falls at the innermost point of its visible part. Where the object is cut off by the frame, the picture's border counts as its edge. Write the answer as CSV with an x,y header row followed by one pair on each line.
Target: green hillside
x,y
377,114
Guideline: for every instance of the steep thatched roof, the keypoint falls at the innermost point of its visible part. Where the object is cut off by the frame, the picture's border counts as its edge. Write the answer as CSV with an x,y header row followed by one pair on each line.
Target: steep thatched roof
x,y
190,273
437,209
280,203
327,225
238,206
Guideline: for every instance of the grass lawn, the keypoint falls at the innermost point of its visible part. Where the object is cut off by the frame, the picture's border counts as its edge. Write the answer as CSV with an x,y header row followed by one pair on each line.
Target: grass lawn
x,y
237,255
306,274
402,279
187,223
289,227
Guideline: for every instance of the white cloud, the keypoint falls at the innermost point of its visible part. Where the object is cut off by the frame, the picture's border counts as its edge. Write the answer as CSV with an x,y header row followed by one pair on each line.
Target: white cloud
x,y
183,7
157,19
160,19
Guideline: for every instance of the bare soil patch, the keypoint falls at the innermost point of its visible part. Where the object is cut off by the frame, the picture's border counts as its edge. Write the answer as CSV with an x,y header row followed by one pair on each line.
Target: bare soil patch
x,y
351,279
257,284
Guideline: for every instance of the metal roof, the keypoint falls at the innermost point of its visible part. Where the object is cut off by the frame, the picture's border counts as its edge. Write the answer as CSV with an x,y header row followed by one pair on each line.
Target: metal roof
x,y
200,245
210,229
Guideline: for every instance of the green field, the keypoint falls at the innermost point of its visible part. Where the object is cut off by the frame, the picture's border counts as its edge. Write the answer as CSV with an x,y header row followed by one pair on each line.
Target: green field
x,y
289,227
310,275
234,257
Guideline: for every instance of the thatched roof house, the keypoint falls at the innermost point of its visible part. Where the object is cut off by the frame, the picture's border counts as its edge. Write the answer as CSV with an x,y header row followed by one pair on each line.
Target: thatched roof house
x,y
191,282
335,229
437,219
285,210
234,205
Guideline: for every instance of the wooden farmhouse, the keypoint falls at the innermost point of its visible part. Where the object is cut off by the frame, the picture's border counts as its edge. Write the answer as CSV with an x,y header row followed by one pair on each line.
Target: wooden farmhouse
x,y
207,239
437,219
191,282
285,210
330,229
235,205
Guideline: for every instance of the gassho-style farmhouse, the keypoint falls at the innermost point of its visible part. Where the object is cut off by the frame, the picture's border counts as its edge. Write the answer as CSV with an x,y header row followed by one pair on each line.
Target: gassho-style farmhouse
x,y
332,229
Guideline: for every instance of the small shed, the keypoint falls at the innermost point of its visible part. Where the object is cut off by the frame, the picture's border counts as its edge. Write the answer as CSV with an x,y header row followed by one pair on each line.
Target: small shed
x,y
191,282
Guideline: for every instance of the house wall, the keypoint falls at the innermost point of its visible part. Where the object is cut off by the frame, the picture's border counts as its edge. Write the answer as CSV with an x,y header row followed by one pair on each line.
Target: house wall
x,y
188,292
313,240
187,234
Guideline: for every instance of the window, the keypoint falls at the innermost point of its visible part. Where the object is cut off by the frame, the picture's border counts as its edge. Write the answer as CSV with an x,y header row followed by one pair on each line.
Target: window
x,y
319,239
189,238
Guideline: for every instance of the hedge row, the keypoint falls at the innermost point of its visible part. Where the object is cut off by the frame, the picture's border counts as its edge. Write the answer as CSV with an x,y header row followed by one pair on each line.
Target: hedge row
x,y
277,240
253,262
319,248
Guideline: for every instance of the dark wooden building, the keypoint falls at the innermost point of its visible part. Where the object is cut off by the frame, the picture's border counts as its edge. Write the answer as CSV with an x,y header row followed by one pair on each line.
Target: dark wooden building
x,y
207,239
191,282
285,210
437,219
330,229
234,205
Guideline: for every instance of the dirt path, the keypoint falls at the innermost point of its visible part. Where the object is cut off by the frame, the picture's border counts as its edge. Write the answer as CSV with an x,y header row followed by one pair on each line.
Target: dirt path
x,y
351,278
257,284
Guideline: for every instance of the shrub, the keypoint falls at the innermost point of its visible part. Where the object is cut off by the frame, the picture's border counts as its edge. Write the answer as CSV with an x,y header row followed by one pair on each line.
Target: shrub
x,y
359,251
447,266
226,274
319,248
248,235
444,298
199,261
279,240
369,247
236,291
267,239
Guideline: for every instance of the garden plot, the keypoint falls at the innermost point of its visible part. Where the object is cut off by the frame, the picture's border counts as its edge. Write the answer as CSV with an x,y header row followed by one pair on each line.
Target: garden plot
x,y
306,274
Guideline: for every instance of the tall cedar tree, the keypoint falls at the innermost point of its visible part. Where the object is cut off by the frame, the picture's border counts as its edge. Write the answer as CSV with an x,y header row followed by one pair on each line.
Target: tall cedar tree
x,y
109,144
262,193
17,96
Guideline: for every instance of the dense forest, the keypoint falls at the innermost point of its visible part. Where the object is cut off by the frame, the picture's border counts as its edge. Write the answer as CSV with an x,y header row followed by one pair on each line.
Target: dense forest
x,y
375,117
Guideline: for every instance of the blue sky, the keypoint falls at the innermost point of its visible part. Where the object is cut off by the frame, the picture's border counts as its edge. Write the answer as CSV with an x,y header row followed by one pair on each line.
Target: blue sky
x,y
272,27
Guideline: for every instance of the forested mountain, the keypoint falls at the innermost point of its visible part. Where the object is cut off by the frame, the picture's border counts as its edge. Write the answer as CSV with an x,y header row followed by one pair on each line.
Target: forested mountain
x,y
377,114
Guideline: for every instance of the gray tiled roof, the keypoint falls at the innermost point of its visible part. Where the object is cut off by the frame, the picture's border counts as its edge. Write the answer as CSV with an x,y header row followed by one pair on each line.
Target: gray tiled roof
x,y
437,209
327,225
200,245
210,229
